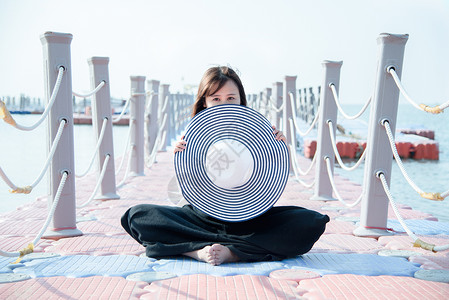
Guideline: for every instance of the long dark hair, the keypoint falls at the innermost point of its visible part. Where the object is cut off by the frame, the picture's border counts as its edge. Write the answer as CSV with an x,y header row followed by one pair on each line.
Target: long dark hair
x,y
213,80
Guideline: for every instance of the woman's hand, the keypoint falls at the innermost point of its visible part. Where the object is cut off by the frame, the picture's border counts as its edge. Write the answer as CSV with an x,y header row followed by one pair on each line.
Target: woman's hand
x,y
180,145
279,135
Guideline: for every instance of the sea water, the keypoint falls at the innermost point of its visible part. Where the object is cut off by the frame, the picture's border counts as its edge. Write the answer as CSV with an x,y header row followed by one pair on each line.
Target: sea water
x,y
22,156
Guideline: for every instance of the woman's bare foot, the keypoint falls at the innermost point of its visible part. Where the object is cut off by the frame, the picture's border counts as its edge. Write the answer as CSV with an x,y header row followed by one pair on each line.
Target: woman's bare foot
x,y
215,255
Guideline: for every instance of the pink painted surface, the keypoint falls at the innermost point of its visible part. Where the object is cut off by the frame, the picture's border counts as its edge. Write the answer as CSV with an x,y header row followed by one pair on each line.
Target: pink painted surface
x,y
406,243
335,227
231,287
95,287
432,262
97,244
371,287
343,243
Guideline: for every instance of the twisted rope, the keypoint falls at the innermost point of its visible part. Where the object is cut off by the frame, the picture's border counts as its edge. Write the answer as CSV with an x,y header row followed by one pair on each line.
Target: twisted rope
x,y
94,91
164,107
27,189
340,109
293,142
125,107
273,106
433,110
149,94
29,249
157,144
430,196
97,147
334,186
99,181
127,152
296,169
337,154
6,116
312,125
417,242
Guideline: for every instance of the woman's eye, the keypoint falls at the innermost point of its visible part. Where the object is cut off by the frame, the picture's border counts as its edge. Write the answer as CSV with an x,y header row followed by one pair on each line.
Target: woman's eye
x,y
216,99
231,98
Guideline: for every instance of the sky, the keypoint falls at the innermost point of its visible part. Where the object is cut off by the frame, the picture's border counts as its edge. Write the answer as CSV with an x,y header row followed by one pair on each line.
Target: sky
x,y
175,41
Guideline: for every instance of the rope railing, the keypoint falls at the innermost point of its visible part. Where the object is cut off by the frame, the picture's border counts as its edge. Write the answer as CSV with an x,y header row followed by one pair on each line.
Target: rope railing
x,y
426,195
125,107
340,109
6,116
97,147
423,107
27,189
149,94
93,92
337,154
312,125
164,106
417,242
274,106
292,139
296,169
99,181
334,186
30,248
157,145
128,153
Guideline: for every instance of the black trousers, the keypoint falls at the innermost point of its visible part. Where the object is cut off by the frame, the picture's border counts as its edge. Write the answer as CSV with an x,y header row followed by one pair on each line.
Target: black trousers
x,y
281,232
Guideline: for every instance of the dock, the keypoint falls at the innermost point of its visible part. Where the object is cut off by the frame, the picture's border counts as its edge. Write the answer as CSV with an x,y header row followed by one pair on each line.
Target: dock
x,y
106,263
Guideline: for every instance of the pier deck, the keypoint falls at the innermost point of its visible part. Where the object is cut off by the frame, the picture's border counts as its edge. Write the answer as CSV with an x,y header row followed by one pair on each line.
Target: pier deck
x,y
106,263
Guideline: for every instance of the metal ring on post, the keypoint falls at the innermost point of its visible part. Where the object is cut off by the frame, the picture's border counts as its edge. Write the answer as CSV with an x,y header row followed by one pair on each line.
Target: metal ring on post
x,y
65,171
61,66
378,173
64,119
382,121
389,67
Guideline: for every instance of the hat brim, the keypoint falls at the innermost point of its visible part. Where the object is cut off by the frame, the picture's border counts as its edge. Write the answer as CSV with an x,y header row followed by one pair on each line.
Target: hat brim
x,y
270,171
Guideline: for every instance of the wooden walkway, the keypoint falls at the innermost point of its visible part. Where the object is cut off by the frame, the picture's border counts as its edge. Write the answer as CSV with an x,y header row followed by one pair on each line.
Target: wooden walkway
x,y
106,263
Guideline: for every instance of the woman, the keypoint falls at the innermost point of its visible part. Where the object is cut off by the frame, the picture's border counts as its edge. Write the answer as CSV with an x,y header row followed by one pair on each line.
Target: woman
x,y
279,233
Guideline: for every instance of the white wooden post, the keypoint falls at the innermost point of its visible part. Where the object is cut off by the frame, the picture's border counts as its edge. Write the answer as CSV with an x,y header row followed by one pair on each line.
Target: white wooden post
x,y
165,93
151,114
276,102
101,109
56,50
267,104
137,112
328,111
374,211
287,113
172,107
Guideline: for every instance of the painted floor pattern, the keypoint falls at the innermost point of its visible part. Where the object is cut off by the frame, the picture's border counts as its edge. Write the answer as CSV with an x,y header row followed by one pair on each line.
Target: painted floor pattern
x,y
106,263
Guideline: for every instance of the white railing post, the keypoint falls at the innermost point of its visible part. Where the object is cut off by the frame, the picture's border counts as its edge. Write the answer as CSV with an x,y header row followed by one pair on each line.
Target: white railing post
x,y
137,112
267,104
172,107
374,210
165,95
328,111
101,109
56,49
287,112
276,102
151,115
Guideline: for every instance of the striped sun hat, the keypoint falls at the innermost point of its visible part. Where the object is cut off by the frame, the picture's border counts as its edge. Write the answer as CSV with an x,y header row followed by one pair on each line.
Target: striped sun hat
x,y
233,168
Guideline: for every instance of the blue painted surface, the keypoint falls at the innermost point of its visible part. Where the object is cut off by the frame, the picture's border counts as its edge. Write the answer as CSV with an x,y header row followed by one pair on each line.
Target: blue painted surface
x,y
85,265
353,263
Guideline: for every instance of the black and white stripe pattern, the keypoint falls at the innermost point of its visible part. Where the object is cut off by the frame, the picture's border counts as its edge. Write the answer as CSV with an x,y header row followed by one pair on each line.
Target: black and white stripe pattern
x,y
270,171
